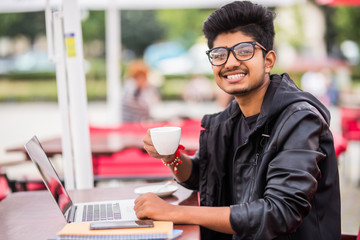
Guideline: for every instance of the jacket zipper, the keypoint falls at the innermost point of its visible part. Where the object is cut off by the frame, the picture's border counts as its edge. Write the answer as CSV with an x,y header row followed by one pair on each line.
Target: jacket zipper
x,y
257,157
254,176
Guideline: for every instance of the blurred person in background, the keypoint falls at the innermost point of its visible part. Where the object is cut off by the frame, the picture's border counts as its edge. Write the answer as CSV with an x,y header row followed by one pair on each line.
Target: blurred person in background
x,y
138,94
266,166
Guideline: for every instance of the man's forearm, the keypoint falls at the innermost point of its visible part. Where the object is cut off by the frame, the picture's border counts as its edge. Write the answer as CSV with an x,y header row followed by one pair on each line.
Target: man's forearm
x,y
214,218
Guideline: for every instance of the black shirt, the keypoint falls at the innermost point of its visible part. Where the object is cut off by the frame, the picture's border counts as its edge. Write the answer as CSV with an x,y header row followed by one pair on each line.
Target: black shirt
x,y
244,127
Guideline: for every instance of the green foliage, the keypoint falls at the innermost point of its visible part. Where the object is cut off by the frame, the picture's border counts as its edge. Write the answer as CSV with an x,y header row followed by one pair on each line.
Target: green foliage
x,y
44,90
30,24
184,25
97,69
96,89
93,27
31,75
24,90
346,21
140,28
173,88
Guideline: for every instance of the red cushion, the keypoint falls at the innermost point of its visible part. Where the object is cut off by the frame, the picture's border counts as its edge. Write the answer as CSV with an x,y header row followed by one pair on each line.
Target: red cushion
x,y
33,186
4,188
340,144
131,162
350,122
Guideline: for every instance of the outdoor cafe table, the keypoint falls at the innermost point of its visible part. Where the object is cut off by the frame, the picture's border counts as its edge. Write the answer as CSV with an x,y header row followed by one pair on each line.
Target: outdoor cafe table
x,y
118,151
34,215
106,141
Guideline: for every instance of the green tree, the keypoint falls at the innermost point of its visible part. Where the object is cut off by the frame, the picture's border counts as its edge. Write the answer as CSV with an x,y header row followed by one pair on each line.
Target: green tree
x,y
29,24
139,29
183,25
93,27
346,20
341,25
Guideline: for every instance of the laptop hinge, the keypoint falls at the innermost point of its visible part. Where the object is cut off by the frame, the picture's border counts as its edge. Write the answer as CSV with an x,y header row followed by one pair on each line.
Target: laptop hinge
x,y
71,216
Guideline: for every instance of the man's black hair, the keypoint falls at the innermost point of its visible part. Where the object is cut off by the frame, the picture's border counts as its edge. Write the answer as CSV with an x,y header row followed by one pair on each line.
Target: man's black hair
x,y
251,19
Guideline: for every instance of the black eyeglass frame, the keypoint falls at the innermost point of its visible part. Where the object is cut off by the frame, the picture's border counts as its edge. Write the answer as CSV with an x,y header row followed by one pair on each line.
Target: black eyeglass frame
x,y
253,43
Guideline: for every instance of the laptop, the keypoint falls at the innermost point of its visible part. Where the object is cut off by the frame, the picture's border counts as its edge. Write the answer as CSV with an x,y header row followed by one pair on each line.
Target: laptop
x,y
79,212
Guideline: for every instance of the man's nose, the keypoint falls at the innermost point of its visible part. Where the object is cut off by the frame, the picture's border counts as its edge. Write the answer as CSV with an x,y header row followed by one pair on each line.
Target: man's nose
x,y
232,60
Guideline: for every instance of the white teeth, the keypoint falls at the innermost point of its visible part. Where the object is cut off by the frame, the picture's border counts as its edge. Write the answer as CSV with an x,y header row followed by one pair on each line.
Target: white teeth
x,y
235,76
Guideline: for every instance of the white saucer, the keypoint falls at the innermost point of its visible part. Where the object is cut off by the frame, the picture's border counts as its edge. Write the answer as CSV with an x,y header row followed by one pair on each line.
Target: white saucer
x,y
156,189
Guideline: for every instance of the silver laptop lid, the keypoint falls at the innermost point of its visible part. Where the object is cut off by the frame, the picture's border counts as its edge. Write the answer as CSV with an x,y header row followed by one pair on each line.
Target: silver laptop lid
x,y
49,175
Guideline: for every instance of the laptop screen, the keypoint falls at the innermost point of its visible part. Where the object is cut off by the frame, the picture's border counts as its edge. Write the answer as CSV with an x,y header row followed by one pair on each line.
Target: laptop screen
x,y
48,174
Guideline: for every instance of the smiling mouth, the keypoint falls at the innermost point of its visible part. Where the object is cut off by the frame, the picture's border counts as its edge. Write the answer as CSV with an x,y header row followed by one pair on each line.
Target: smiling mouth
x,y
235,76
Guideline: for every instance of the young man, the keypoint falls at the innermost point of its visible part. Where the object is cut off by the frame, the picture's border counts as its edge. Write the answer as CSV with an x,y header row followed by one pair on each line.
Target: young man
x,y
266,166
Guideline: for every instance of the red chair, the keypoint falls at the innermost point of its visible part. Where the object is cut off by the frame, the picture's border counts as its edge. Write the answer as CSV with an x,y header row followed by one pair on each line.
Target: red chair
x,y
340,144
27,185
131,163
4,186
350,123
9,185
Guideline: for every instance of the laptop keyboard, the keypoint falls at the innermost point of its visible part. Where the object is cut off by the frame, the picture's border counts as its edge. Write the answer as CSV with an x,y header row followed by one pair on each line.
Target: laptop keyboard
x,y
101,212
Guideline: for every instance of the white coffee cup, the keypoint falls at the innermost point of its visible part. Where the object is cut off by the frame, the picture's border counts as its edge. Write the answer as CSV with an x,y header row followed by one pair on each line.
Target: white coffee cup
x,y
166,139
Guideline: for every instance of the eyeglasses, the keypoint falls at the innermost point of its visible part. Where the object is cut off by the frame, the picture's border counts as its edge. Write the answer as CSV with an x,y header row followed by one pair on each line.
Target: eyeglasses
x,y
242,51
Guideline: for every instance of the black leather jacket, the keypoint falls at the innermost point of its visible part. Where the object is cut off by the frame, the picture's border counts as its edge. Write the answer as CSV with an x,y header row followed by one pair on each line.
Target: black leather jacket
x,y
285,182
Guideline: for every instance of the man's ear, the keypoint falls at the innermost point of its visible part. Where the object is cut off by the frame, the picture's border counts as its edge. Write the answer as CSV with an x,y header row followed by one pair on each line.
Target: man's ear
x,y
270,59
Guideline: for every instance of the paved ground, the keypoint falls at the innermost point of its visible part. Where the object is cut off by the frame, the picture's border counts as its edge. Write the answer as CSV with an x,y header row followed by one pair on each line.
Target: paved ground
x,y
19,122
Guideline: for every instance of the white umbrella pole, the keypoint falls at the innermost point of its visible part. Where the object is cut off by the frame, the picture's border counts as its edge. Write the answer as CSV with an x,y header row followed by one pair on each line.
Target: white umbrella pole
x,y
62,87
77,95
113,44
